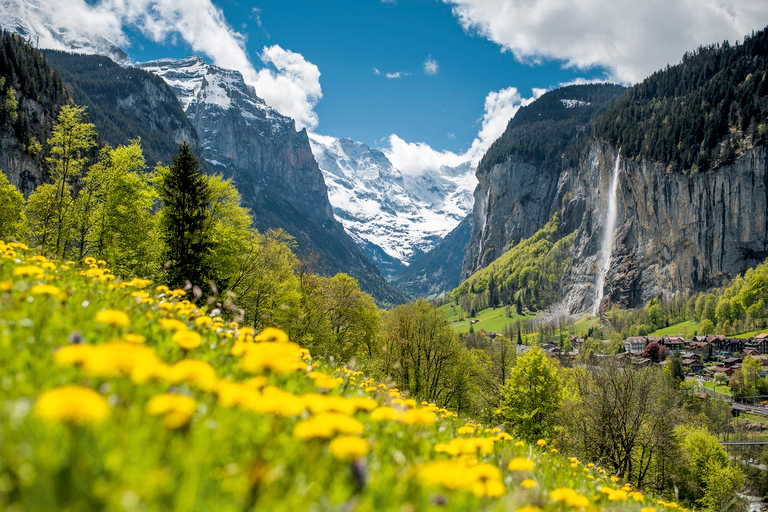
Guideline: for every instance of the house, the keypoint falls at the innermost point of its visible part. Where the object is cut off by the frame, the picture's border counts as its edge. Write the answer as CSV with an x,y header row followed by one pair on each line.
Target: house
x,y
702,348
694,365
674,344
641,362
731,361
759,343
635,344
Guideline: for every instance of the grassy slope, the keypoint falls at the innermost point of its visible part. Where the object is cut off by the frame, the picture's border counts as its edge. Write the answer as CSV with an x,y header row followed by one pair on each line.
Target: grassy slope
x,y
240,446
691,326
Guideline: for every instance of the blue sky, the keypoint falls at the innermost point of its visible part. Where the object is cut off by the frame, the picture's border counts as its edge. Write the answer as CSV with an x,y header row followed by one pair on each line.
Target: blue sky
x,y
356,68
348,41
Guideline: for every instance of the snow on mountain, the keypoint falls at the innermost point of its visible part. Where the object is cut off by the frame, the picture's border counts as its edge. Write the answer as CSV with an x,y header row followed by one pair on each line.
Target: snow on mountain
x,y
38,21
404,215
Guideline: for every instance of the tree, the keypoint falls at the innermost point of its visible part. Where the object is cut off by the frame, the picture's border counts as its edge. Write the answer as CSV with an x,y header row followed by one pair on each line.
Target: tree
x,y
531,399
13,222
70,142
652,351
184,227
419,350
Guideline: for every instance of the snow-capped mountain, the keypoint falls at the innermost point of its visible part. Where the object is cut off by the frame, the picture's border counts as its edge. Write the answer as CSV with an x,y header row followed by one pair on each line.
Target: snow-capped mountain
x,y
37,21
393,215
270,163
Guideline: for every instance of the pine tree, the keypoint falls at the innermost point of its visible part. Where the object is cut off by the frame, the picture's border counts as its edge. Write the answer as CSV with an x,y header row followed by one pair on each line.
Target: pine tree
x,y
186,197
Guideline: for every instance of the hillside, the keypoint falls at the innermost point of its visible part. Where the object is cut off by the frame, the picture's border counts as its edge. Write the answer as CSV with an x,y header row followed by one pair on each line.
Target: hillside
x,y
125,103
221,416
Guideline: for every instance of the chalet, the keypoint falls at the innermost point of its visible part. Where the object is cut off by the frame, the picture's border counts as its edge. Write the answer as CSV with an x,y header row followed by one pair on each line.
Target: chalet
x,y
712,370
692,355
576,342
703,348
758,343
641,362
674,344
694,365
635,344
731,361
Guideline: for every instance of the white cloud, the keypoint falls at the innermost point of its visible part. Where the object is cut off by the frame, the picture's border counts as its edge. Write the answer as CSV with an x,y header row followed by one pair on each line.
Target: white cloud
x,y
430,66
630,38
293,87
396,74
289,83
414,158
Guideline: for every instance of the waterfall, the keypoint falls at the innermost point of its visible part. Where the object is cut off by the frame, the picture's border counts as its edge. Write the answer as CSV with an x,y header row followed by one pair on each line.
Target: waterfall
x,y
606,247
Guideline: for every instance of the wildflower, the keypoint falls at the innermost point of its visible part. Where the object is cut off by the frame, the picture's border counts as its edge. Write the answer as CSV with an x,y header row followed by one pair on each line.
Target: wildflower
x,y
521,464
325,381
541,442
486,480
178,409
277,402
203,321
5,286
187,339
466,429
419,417
384,413
28,271
648,509
614,479
172,324
281,358
90,260
162,289
72,403
519,444
45,289
528,484
569,497
199,373
233,394
349,447
133,338
327,425
272,334
113,317
528,508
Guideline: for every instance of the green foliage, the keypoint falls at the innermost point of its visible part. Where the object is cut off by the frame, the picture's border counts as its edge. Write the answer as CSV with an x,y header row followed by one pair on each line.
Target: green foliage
x,y
699,114
531,399
13,221
529,273
184,222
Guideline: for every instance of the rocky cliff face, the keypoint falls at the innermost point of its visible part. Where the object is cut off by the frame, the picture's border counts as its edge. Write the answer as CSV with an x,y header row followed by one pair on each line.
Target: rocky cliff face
x,y
271,164
676,232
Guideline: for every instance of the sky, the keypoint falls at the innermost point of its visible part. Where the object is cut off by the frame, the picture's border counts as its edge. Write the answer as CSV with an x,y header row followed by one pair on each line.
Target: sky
x,y
430,81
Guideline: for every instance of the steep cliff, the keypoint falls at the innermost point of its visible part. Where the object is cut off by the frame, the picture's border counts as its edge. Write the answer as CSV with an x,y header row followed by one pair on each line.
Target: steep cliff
x,y
125,103
271,164
31,94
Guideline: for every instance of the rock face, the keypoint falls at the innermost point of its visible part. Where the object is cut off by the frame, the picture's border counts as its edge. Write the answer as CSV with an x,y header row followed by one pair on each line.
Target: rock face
x,y
677,232
271,164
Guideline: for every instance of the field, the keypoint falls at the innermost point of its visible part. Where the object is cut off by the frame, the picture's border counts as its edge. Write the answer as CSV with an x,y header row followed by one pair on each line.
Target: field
x,y
119,395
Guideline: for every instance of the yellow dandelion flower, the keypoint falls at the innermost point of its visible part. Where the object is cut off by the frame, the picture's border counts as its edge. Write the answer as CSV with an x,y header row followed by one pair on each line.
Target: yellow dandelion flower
x,y
465,430
541,442
519,444
528,484
648,509
90,260
278,357
277,402
529,508
187,339
521,464
177,409
172,324
327,425
5,286
28,271
45,289
130,337
385,413
418,417
569,497
614,479
617,495
162,289
272,334
203,321
349,447
113,317
74,404
325,381
198,373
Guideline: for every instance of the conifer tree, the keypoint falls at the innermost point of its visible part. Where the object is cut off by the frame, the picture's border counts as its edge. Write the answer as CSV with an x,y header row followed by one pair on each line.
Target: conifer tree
x,y
185,232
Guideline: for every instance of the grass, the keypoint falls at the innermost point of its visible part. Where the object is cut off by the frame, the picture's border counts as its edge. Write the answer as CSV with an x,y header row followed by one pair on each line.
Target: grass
x,y
683,328
490,319
718,388
115,395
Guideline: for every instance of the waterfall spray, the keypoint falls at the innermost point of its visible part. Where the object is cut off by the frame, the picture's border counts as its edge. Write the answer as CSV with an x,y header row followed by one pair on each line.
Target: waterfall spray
x,y
606,248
